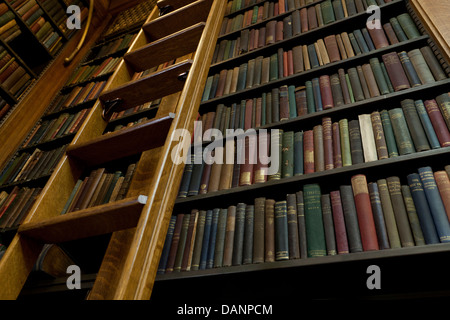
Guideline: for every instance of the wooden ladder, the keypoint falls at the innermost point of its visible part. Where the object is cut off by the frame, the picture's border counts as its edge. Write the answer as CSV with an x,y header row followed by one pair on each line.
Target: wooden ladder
x,y
184,30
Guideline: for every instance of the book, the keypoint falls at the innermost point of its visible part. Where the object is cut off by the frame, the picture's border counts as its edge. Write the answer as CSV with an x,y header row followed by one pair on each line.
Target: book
x,y
414,125
292,223
402,135
281,231
339,223
314,221
328,224
351,218
367,138
396,71
378,216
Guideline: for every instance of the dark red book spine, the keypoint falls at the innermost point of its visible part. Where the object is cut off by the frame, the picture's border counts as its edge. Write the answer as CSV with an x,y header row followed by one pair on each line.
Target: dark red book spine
x,y
339,222
328,143
308,151
395,71
337,153
325,92
438,122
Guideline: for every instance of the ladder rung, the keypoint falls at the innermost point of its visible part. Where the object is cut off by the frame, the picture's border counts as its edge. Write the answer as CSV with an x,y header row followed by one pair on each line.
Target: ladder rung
x,y
174,4
85,223
177,20
148,88
125,142
166,49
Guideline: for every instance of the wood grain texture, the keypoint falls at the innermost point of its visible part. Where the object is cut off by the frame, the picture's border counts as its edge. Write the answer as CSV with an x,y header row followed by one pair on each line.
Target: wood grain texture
x,y
85,223
175,4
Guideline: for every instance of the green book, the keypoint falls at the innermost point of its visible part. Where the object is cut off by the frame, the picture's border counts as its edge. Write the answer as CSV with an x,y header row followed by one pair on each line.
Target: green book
x,y
379,76
288,155
350,89
298,153
277,142
386,77
408,26
327,12
242,77
415,126
255,14
427,125
389,134
357,89
398,29
314,221
273,75
345,143
281,231
220,238
402,135
182,243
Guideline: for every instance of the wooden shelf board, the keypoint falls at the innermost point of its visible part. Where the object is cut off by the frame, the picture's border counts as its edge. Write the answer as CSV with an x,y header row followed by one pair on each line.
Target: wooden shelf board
x,y
179,19
175,4
85,223
166,49
148,88
126,142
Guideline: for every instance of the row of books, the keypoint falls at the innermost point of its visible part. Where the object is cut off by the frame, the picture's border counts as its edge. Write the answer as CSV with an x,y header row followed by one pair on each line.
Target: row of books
x,y
52,129
306,18
9,29
414,127
90,72
13,76
4,109
111,47
361,216
78,95
99,187
396,72
330,49
15,204
56,11
145,106
30,166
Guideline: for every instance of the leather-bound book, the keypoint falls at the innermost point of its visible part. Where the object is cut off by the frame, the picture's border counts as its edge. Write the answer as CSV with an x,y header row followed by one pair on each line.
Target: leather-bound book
x,y
414,125
427,125
296,23
325,92
443,101
319,161
402,135
301,224
433,63
421,66
314,221
412,216
337,153
379,76
378,37
364,211
363,81
229,237
344,86
328,225
269,231
312,18
339,222
411,73
336,90
435,202
167,243
401,35
287,158
271,32
345,143
292,222
401,217
390,33
281,231
297,53
284,103
308,151
341,47
199,235
332,48
327,143
358,92
355,142
378,217
304,19
298,153
190,238
443,183
389,134
351,218
438,122
258,234
380,140
370,80
300,101
220,238
175,243
239,229
423,209
396,72
408,26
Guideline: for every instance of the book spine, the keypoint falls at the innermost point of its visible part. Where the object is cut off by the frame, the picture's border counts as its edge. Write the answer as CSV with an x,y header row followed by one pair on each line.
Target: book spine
x,y
258,238
337,153
412,216
247,254
281,231
414,125
402,135
238,244
411,73
356,147
380,140
438,122
298,153
292,223
301,224
269,231
351,218
314,221
443,183
375,201
330,238
339,223
427,125
396,71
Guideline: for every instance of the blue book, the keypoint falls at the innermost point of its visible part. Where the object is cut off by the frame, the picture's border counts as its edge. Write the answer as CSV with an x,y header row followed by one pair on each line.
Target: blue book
x,y
292,103
311,105
368,39
435,203
317,94
281,231
361,41
212,239
206,237
314,60
427,126
167,245
378,216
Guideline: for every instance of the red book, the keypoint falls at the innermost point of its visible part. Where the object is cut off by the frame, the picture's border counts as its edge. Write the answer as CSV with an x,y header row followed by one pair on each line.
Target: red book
x,y
258,112
221,84
312,18
270,32
337,153
308,151
364,212
328,143
174,244
290,59
284,103
325,91
378,37
281,7
262,37
332,48
304,19
438,122
285,64
248,114
300,101
395,71
279,31
443,183
339,222
247,167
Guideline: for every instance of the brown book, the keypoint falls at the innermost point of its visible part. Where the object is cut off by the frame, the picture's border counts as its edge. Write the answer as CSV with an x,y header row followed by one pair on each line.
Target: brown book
x,y
78,194
341,47
337,152
190,238
363,81
229,237
390,33
284,103
344,86
364,212
226,174
332,48
378,37
395,71
304,19
246,170
214,179
370,80
308,151
326,93
347,45
380,140
443,183
306,58
271,27
279,31
174,245
319,160
421,67
269,231
221,84
438,122
328,143
297,53
265,70
94,179
312,18
323,51
300,101
433,63
389,215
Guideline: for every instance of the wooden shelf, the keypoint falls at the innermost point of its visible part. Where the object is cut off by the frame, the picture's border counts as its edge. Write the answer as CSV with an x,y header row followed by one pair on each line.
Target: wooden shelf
x,y
165,49
179,19
85,223
300,78
174,4
122,143
148,88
